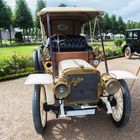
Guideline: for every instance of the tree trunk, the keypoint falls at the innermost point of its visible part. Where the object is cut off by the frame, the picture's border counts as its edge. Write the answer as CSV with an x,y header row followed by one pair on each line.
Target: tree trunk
x,y
32,34
10,36
36,33
23,35
27,34
0,38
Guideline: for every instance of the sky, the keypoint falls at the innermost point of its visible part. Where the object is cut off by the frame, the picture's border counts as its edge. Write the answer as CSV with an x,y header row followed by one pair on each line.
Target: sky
x,y
128,9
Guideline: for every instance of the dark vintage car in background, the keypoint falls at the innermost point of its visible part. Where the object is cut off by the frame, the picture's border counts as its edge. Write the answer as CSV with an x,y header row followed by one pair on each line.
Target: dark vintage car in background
x,y
132,46
67,81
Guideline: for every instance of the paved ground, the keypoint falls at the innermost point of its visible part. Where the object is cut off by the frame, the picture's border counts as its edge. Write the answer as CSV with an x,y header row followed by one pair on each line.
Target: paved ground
x,y
16,115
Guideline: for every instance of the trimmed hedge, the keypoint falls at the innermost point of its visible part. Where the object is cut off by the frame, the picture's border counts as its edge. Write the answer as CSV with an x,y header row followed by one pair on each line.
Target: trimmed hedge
x,y
14,76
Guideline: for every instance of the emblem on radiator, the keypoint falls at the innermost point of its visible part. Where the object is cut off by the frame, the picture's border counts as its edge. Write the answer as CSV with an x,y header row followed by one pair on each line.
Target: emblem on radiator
x,y
76,81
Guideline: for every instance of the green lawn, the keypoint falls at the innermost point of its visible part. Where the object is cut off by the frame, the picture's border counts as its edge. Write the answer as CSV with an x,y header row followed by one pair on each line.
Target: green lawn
x,y
106,43
7,42
5,52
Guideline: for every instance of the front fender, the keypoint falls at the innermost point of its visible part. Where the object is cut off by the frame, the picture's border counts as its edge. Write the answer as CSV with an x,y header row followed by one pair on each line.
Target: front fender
x,y
121,74
44,79
35,79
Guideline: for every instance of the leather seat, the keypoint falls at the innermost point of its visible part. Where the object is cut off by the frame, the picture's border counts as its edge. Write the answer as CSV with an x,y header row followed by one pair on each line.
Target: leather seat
x,y
74,43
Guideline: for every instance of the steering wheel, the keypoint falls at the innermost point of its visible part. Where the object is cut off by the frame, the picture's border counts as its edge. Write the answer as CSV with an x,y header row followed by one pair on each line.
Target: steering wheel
x,y
58,40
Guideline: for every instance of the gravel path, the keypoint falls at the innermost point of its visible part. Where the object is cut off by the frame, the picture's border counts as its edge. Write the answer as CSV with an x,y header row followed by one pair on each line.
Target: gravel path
x,y
16,115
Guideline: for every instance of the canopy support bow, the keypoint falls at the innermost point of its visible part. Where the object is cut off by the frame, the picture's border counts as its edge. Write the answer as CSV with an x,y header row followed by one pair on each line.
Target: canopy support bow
x,y
102,42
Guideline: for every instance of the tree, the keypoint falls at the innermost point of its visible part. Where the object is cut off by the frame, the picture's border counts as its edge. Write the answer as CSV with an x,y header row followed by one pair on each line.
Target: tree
x,y
106,22
114,25
138,25
132,25
102,25
129,24
9,22
2,17
121,25
62,5
5,17
40,5
23,17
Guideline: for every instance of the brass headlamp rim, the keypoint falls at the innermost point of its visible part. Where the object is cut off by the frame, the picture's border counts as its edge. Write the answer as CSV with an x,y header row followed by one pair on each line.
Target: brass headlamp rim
x,y
48,69
112,80
63,77
47,63
61,80
106,80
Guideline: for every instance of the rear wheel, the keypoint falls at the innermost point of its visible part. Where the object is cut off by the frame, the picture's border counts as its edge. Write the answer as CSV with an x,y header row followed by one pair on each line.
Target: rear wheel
x,y
41,67
128,53
35,61
39,114
121,106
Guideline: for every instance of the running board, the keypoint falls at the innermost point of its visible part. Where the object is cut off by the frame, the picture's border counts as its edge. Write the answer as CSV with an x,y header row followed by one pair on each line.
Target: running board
x,y
136,54
80,112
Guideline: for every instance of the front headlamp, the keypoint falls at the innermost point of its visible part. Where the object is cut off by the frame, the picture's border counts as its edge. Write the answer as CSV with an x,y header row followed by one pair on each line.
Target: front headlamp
x,y
61,87
110,84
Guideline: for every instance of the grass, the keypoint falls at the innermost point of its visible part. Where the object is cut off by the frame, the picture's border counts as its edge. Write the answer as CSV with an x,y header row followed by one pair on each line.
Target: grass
x,y
7,41
5,52
106,43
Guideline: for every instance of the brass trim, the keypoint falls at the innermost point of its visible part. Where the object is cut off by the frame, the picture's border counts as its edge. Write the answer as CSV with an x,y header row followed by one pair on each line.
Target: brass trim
x,y
61,80
80,71
48,67
76,81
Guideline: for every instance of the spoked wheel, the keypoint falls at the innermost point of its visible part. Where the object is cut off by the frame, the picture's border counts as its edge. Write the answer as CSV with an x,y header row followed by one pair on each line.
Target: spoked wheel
x,y
128,53
121,106
39,114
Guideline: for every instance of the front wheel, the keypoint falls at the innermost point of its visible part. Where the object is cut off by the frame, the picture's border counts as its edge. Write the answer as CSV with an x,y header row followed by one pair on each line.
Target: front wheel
x,y
121,105
39,114
128,53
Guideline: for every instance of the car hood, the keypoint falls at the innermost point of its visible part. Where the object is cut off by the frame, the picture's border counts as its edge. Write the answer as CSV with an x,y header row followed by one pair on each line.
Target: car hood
x,y
73,64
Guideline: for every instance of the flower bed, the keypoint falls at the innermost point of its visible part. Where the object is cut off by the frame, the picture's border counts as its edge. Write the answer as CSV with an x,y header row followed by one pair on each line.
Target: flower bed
x,y
16,65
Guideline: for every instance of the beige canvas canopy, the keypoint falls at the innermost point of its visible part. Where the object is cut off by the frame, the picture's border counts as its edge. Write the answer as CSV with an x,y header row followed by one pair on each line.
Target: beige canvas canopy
x,y
72,17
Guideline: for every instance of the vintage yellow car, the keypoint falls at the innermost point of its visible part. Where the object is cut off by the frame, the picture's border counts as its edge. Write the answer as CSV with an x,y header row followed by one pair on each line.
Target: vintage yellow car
x,y
67,81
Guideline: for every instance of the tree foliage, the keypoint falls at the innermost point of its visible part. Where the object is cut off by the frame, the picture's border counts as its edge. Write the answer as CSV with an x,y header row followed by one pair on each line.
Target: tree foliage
x,y
2,14
5,15
40,5
112,24
23,17
132,24
62,5
106,22
121,25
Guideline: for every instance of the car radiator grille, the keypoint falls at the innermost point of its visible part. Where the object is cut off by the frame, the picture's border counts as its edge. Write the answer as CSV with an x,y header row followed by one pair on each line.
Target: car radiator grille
x,y
85,90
